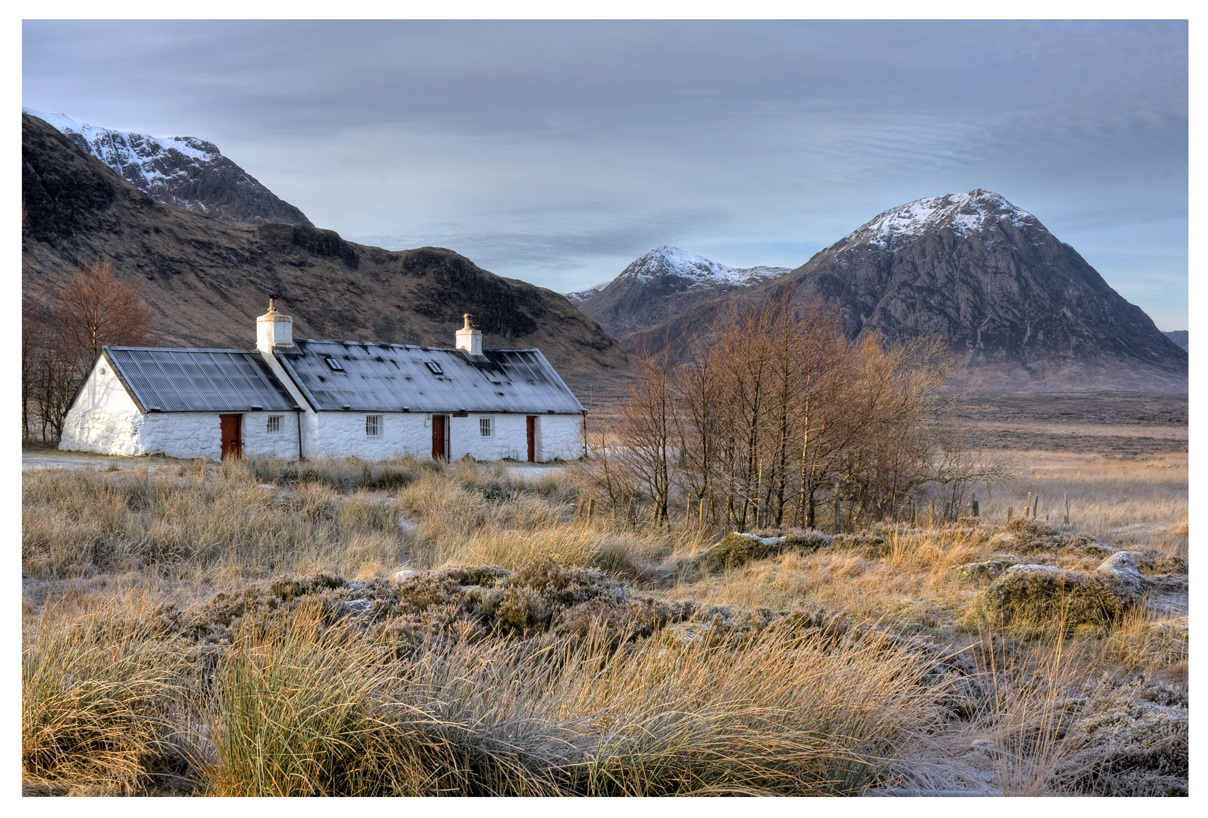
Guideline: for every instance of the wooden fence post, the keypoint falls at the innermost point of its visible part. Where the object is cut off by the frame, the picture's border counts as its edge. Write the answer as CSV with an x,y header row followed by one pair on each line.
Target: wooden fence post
x,y
838,518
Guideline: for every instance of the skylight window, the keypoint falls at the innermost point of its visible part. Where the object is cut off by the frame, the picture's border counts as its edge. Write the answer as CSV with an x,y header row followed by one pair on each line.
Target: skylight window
x,y
335,365
434,367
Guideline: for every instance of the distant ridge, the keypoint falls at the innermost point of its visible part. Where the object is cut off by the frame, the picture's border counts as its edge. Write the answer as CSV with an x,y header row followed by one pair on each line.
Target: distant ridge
x,y
661,284
1179,337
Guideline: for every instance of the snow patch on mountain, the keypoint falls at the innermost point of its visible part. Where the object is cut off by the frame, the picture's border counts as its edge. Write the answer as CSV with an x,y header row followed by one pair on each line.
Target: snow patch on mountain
x,y
965,213
181,171
136,157
700,271
581,296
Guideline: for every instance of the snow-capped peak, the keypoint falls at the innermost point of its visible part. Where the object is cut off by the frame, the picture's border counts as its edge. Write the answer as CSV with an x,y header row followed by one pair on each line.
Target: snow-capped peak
x,y
672,261
107,144
965,213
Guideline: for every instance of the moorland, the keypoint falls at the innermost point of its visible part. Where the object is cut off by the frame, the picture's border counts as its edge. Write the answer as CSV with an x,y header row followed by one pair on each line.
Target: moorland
x,y
421,628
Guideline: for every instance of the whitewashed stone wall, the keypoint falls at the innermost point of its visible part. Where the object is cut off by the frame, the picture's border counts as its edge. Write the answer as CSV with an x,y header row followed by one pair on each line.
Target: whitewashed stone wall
x,y
199,434
508,437
342,434
104,418
559,437
258,440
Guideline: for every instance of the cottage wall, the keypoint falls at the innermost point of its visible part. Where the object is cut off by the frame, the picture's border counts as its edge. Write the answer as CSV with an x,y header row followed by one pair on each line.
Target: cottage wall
x,y
104,418
259,441
559,437
342,434
199,434
508,437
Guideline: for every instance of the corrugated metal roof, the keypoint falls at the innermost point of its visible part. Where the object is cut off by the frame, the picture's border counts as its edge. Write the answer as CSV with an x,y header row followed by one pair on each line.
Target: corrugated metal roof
x,y
199,380
391,377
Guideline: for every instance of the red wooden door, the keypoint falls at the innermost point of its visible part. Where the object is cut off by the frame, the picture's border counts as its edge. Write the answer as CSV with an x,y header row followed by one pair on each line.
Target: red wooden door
x,y
532,437
439,452
232,435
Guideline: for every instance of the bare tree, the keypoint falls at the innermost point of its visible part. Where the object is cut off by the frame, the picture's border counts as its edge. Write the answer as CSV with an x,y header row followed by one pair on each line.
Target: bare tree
x,y
63,333
95,309
648,432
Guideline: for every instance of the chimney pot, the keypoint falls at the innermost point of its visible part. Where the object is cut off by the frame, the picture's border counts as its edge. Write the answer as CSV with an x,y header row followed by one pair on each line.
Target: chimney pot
x,y
274,329
469,340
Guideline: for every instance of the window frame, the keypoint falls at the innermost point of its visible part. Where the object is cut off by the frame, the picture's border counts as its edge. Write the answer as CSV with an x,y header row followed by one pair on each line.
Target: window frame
x,y
272,425
486,427
373,427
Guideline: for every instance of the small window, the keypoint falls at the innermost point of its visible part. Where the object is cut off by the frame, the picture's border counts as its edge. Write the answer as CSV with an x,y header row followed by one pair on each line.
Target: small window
x,y
434,367
373,425
484,427
274,423
335,365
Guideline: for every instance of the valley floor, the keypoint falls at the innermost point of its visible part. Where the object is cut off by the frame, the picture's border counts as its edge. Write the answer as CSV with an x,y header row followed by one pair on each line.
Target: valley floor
x,y
259,628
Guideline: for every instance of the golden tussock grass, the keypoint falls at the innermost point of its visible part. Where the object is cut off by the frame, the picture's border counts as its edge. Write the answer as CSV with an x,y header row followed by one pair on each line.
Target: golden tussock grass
x,y
300,704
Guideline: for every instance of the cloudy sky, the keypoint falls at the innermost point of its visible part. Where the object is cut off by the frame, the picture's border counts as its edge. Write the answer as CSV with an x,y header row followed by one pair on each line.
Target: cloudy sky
x,y
557,152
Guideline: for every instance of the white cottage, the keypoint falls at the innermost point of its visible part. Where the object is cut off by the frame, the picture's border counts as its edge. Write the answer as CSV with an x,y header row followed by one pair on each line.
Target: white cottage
x,y
326,399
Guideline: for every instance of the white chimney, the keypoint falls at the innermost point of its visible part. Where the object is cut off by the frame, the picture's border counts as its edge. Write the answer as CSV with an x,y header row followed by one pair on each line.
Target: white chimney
x,y
274,329
469,340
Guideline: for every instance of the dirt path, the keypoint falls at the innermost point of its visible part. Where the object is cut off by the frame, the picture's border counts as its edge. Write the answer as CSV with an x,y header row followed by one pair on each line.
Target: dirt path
x,y
54,459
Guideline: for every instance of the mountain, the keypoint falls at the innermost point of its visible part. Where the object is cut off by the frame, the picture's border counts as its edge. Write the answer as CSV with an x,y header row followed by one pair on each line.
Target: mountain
x,y
1021,309
181,171
206,280
1179,336
663,283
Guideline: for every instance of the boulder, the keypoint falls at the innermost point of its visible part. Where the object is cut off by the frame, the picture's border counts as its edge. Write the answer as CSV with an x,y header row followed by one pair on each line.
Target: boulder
x,y
1123,578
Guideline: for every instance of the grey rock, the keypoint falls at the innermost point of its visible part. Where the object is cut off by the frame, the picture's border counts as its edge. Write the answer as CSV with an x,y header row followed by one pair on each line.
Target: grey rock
x,y
1120,570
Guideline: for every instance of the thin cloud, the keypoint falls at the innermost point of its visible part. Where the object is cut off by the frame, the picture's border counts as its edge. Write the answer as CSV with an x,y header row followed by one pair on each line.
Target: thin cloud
x,y
557,151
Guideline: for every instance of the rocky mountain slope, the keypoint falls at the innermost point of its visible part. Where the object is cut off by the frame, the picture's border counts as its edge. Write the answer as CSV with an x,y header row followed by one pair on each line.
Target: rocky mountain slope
x,y
181,171
207,280
662,284
1021,309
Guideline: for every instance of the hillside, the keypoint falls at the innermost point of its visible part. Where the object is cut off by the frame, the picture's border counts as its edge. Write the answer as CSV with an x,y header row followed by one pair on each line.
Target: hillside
x,y
207,280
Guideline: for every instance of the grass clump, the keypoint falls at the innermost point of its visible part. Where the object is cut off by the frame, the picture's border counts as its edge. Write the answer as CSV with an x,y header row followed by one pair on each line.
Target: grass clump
x,y
303,712
292,714
1039,595
99,696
